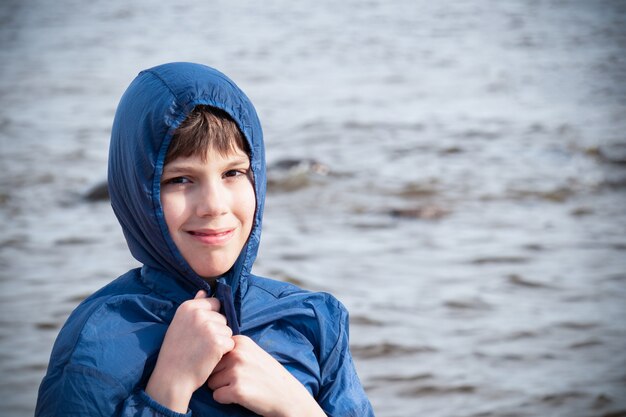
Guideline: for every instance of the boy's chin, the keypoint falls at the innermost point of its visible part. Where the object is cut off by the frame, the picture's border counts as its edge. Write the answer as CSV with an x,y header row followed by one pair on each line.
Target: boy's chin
x,y
211,274
210,278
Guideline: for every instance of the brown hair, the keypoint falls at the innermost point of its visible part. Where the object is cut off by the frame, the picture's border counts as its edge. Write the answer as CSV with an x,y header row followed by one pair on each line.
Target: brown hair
x,y
206,128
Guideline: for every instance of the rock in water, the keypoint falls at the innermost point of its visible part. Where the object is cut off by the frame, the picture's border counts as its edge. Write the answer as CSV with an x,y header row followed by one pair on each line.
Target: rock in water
x,y
99,192
294,174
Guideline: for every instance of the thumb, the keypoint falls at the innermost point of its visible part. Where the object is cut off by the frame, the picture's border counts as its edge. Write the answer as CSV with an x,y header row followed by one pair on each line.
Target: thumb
x,y
200,294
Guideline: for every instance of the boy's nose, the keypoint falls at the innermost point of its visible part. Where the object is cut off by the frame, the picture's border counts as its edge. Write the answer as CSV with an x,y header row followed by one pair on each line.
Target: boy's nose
x,y
212,201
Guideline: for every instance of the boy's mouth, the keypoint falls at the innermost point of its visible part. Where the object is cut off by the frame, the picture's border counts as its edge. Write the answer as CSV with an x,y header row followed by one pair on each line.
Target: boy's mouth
x,y
212,236
209,233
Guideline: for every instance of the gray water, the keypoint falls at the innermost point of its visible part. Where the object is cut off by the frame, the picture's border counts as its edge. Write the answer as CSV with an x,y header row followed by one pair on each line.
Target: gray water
x,y
472,219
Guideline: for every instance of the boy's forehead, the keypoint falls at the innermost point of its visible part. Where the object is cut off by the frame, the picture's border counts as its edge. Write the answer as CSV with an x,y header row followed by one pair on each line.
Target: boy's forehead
x,y
233,155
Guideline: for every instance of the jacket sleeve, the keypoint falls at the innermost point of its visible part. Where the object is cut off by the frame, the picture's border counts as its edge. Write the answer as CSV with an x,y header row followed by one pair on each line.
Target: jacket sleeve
x,y
341,393
84,391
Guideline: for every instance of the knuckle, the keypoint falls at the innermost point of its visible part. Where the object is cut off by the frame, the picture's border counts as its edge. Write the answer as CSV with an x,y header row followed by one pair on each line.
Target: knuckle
x,y
217,318
215,325
238,391
186,306
196,314
237,357
224,344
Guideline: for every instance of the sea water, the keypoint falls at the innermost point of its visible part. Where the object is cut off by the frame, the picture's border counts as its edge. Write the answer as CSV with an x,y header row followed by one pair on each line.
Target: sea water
x,y
470,212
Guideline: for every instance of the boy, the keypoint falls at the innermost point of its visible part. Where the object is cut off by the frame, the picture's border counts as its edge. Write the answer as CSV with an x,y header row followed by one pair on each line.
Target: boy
x,y
192,330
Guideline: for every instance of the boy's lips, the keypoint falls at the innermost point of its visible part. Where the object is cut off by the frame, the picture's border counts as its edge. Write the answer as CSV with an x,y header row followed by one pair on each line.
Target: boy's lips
x,y
212,236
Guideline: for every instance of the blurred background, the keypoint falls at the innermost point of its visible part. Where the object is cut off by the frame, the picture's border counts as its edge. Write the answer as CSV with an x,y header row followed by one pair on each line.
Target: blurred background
x,y
454,172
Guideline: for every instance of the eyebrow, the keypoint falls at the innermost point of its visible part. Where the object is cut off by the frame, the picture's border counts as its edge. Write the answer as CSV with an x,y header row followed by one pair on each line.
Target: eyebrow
x,y
239,160
177,169
174,168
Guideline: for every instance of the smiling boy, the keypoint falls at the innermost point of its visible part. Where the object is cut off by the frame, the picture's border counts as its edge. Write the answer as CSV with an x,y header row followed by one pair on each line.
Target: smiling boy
x,y
193,330
206,192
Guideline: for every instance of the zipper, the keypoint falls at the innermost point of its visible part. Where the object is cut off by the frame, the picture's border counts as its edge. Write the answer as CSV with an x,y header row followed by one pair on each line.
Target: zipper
x,y
224,294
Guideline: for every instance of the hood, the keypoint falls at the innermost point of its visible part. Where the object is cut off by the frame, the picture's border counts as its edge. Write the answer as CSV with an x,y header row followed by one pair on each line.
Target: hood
x,y
153,106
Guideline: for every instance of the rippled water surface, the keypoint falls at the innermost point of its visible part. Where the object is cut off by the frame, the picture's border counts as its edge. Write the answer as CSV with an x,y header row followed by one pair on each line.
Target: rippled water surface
x,y
470,212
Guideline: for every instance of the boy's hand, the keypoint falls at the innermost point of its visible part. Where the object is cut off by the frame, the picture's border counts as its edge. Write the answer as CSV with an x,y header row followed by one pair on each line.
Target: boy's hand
x,y
251,377
195,342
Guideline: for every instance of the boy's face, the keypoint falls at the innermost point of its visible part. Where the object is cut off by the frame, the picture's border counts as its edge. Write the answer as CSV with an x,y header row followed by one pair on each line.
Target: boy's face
x,y
209,208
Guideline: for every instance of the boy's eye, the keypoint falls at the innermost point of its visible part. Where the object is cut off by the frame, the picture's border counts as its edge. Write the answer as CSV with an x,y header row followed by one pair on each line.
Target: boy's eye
x,y
235,173
176,180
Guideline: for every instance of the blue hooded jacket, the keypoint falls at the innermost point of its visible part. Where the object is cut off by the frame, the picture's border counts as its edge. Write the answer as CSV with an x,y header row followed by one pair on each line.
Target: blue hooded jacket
x,y
107,349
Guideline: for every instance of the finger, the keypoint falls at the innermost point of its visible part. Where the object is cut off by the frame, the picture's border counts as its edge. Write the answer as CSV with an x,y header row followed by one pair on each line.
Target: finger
x,y
241,341
217,323
212,304
224,395
200,294
222,365
246,346
217,380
